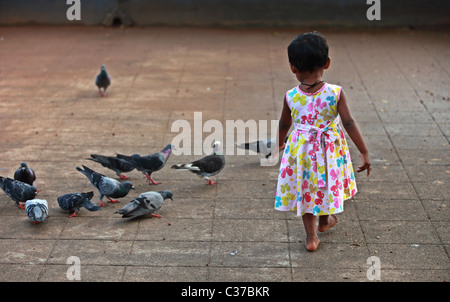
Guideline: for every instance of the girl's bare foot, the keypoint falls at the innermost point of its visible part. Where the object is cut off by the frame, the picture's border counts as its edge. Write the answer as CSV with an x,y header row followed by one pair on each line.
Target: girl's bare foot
x,y
327,222
312,243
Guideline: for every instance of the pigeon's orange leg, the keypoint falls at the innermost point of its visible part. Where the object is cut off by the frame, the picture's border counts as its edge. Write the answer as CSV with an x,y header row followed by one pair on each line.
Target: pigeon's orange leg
x,y
123,176
73,215
211,182
21,206
113,200
154,215
150,180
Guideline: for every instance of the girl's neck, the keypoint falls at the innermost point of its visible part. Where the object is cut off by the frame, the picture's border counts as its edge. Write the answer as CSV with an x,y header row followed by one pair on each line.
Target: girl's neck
x,y
311,85
310,82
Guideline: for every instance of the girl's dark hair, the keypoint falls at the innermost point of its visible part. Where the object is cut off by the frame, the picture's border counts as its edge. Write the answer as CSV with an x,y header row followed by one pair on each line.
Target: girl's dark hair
x,y
308,51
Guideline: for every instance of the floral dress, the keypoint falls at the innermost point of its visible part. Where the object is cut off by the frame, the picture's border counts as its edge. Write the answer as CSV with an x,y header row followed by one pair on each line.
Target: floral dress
x,y
316,173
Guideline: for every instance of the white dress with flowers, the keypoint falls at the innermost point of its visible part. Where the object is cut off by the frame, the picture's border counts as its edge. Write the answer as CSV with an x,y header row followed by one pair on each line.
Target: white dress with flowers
x,y
316,173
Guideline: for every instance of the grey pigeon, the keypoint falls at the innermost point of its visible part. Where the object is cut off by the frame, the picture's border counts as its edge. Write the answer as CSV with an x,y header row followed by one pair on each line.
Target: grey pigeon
x,y
146,203
103,80
37,210
207,166
149,163
72,202
114,163
109,187
265,147
25,174
17,190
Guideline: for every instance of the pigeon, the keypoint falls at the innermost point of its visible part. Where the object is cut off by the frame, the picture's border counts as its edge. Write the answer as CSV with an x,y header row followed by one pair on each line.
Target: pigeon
x,y
207,166
103,80
149,163
108,187
37,210
18,190
146,203
25,174
74,201
265,147
114,163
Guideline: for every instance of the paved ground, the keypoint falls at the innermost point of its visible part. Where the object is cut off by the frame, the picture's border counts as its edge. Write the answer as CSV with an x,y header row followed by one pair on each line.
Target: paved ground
x,y
52,117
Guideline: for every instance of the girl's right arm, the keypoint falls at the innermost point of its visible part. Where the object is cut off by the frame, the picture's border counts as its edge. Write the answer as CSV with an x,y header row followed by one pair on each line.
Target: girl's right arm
x,y
284,125
353,131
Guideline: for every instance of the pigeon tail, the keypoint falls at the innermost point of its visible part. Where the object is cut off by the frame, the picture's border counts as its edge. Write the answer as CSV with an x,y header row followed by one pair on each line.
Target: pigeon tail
x,y
185,167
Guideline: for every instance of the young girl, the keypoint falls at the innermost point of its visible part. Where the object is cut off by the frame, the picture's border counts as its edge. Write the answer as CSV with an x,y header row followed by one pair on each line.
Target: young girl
x,y
316,173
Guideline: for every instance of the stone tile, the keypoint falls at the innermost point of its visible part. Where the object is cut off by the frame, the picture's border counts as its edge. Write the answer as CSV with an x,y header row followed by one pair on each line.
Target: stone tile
x,y
165,274
304,274
20,272
243,208
442,231
21,227
391,209
438,174
432,190
414,275
249,274
380,172
437,209
92,252
382,190
88,273
245,189
399,231
406,256
29,251
169,253
174,229
249,230
420,142
408,115
430,157
99,228
413,129
329,255
249,254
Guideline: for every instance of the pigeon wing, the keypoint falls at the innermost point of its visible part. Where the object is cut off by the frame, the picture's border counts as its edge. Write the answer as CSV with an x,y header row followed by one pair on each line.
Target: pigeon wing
x,y
138,207
108,186
210,164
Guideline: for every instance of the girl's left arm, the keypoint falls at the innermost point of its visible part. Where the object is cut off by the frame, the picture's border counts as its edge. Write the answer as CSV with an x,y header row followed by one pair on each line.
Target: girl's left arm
x,y
353,131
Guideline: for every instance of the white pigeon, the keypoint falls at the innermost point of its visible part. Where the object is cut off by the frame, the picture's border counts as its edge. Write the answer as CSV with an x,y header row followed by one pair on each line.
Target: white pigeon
x,y
146,203
37,210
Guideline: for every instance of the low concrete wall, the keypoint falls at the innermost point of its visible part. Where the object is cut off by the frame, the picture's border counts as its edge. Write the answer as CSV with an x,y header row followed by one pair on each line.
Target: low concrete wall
x,y
227,12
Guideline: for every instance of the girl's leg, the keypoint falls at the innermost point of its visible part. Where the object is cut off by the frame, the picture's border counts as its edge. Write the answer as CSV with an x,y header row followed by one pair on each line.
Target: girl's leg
x,y
326,222
312,241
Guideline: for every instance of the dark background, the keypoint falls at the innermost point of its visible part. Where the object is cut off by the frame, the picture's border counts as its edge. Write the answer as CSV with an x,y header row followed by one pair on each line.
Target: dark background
x,y
236,13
